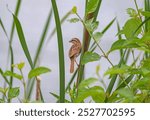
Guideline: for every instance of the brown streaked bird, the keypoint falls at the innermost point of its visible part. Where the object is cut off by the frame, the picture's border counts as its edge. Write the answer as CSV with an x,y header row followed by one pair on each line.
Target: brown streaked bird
x,y
74,52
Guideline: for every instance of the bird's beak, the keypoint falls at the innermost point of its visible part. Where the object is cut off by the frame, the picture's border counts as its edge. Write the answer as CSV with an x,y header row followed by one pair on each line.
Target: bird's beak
x,y
70,41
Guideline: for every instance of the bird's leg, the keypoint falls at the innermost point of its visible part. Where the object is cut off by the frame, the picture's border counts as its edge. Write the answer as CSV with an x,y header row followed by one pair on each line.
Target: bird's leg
x,y
77,63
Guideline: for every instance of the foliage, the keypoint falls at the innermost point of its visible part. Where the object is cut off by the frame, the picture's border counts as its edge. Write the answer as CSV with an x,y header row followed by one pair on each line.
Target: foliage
x,y
128,80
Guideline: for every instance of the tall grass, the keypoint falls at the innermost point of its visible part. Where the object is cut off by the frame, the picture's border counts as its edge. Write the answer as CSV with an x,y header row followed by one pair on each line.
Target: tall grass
x,y
61,53
81,88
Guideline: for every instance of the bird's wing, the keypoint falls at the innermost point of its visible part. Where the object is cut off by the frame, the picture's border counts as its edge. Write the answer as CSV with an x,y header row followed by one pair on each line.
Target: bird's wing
x,y
73,51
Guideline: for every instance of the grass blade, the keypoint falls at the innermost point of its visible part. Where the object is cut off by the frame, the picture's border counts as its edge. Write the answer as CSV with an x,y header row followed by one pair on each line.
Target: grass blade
x,y
97,10
61,52
43,36
38,51
71,80
147,24
23,41
18,5
2,74
147,8
11,53
61,21
13,24
93,46
124,83
108,26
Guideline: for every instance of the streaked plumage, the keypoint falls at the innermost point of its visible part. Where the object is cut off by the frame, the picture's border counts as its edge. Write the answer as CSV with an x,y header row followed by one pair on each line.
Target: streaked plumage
x,y
74,52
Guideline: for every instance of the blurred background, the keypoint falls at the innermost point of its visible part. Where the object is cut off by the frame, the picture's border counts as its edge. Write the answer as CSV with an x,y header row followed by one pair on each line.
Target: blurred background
x,y
33,14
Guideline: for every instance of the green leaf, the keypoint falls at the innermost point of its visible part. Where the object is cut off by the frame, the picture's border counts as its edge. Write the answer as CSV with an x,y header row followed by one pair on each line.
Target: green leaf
x,y
91,26
1,90
2,101
98,67
38,71
13,92
86,83
91,6
9,73
117,70
125,82
43,37
73,20
94,92
132,12
89,57
19,66
57,97
97,36
125,93
143,84
74,10
146,13
130,27
146,63
22,40
122,44
60,51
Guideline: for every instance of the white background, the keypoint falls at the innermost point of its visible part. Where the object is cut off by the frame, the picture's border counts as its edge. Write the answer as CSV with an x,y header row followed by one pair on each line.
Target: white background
x,y
7,111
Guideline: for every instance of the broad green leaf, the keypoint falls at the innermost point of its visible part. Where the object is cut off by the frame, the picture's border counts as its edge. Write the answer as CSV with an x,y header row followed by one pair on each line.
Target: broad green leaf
x,y
146,63
73,20
126,94
74,10
130,27
146,37
91,6
132,12
9,73
145,67
38,71
13,92
122,44
146,13
97,36
89,57
117,70
86,83
143,84
93,92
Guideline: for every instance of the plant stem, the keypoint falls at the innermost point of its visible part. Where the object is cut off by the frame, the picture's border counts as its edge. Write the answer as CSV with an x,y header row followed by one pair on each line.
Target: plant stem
x,y
104,54
24,85
136,5
61,52
38,84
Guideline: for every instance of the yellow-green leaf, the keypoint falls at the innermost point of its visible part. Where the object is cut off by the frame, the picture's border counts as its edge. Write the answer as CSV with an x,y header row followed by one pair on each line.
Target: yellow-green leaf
x,y
38,71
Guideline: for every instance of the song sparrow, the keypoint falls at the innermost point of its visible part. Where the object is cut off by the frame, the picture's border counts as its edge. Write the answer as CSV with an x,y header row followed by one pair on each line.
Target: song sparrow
x,y
74,52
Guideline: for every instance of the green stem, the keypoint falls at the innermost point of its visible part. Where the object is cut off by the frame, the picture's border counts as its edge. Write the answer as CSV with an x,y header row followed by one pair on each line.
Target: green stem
x,y
61,52
24,86
104,54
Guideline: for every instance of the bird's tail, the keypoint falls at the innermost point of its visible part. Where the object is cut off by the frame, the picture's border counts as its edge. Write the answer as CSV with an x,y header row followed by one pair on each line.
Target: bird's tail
x,y
72,65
